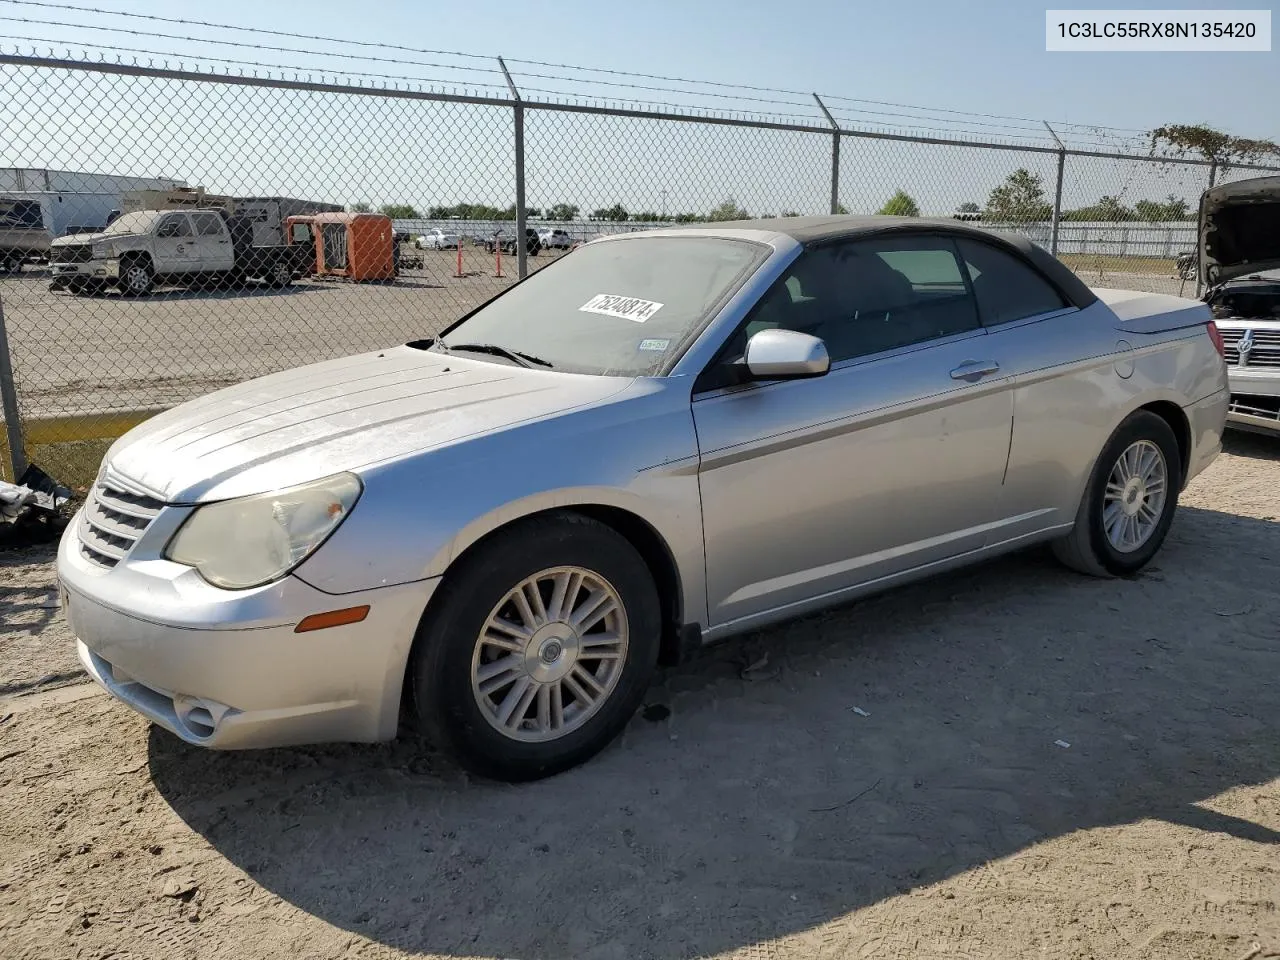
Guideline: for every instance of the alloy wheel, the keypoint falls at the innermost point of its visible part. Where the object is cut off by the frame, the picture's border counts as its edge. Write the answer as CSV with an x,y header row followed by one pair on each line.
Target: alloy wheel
x,y
550,654
1134,499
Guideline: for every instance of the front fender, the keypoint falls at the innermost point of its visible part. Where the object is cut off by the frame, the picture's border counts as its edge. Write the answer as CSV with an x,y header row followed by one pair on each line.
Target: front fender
x,y
418,515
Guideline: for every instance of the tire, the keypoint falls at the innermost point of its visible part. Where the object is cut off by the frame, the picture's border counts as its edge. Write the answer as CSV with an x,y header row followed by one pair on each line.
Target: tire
x,y
11,262
136,278
281,274
451,653
1089,548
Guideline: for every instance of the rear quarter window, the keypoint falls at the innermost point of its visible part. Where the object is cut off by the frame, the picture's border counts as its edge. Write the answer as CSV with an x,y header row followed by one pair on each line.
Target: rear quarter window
x,y
1005,287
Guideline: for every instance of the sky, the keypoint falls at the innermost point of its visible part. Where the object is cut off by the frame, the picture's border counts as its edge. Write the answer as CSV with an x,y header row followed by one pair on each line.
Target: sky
x,y
938,57
987,57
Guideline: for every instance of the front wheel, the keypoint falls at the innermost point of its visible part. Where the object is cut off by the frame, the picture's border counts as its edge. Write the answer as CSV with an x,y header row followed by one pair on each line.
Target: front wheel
x,y
1129,502
136,278
538,650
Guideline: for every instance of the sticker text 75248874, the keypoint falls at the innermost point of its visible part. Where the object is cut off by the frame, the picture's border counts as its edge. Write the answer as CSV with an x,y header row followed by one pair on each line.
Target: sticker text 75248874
x,y
626,308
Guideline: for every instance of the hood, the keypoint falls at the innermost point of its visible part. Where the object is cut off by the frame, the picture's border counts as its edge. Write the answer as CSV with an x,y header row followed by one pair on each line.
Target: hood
x,y
1239,229
347,414
79,238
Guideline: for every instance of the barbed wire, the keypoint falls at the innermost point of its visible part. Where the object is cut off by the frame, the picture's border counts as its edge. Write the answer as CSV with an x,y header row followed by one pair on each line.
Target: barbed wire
x,y
539,63
851,124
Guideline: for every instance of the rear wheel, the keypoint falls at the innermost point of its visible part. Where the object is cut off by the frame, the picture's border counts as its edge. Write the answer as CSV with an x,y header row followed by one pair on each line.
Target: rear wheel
x,y
281,274
1129,502
11,262
539,649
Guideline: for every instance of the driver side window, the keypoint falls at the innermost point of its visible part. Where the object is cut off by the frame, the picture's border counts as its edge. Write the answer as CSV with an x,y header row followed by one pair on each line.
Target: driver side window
x,y
865,297
174,226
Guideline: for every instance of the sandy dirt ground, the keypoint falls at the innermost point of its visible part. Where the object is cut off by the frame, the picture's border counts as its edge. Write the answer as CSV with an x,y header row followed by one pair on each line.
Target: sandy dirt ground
x,y
1011,761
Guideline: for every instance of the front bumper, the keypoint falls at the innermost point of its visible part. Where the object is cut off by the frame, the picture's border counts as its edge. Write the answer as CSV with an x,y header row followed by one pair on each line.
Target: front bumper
x,y
1255,399
89,270
225,669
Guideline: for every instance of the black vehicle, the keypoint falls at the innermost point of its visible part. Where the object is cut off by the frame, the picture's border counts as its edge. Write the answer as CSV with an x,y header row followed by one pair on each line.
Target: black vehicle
x,y
1186,265
533,243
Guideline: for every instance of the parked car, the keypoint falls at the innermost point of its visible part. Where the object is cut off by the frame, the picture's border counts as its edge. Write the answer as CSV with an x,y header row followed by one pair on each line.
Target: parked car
x,y
659,442
23,234
508,243
1186,265
436,239
555,239
1239,258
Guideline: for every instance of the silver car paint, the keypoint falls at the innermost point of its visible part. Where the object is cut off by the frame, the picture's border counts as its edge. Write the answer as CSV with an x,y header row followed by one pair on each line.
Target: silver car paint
x,y
803,492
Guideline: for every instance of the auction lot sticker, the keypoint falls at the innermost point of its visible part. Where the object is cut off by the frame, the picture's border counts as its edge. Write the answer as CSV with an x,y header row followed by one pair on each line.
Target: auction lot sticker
x,y
626,308
1152,31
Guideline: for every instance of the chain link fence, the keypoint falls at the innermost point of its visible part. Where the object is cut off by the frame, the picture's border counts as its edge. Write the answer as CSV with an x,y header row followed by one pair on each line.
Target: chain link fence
x,y
240,226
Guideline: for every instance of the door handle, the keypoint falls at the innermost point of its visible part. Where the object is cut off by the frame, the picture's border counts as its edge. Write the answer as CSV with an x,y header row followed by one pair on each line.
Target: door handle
x,y
224,241
972,371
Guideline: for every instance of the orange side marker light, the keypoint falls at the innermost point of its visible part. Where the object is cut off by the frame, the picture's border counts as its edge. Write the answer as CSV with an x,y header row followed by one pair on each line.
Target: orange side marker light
x,y
333,618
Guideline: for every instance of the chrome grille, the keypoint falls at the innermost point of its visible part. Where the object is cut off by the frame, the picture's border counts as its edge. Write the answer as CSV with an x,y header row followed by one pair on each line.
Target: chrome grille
x,y
1265,352
112,521
73,253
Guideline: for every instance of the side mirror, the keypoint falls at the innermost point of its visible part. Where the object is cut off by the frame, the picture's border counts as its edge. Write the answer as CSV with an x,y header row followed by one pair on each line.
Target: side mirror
x,y
786,355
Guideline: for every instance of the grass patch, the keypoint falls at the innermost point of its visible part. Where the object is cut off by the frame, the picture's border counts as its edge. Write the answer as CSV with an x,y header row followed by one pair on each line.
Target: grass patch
x,y
73,463
1101,263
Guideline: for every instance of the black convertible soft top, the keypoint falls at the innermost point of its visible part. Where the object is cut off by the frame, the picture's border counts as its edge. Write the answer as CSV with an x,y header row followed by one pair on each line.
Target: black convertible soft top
x,y
815,231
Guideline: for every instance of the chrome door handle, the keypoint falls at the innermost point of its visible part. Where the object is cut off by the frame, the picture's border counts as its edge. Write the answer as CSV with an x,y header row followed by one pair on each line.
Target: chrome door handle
x,y
974,370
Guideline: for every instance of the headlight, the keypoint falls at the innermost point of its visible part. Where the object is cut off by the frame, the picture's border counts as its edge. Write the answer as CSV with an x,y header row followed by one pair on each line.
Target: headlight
x,y
244,543
104,251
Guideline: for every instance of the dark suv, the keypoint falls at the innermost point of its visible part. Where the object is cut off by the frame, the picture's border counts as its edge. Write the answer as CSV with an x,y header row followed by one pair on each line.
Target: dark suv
x,y
508,244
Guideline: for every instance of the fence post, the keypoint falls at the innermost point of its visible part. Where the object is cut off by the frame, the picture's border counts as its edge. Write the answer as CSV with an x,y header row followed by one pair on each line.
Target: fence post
x,y
1057,191
1213,171
835,154
9,403
522,246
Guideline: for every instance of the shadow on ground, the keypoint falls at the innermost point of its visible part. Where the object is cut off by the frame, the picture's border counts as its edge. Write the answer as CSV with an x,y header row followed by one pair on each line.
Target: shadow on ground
x,y
761,807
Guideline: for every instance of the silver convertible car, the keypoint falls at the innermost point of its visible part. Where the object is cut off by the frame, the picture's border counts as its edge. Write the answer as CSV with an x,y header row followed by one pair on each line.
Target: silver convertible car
x,y
661,440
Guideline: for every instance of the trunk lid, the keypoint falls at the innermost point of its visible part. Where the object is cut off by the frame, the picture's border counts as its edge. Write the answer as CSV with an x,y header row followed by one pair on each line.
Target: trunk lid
x,y
1146,313
1239,229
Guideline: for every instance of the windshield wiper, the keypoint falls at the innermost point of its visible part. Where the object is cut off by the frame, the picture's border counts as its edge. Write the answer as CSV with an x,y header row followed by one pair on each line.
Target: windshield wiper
x,y
524,359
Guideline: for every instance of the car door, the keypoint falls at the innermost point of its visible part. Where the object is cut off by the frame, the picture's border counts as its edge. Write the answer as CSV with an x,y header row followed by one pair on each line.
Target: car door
x,y
174,244
891,461
213,242
1062,360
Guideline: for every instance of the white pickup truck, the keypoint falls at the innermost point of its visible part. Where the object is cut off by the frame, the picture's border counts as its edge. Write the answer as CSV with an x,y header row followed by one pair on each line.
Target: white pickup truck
x,y
196,247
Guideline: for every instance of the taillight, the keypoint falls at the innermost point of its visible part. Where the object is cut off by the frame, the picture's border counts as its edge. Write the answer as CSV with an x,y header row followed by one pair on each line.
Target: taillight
x,y
1216,337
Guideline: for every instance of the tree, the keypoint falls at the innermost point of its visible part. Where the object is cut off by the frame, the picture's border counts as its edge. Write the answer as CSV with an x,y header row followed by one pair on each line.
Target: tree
x,y
615,213
647,216
1201,140
969,207
398,211
358,207
563,211
1019,199
688,218
728,210
900,205
1173,208
1108,209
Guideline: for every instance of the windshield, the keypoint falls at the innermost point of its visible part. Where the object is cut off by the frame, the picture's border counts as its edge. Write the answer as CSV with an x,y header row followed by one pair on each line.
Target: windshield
x,y
619,308
139,222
